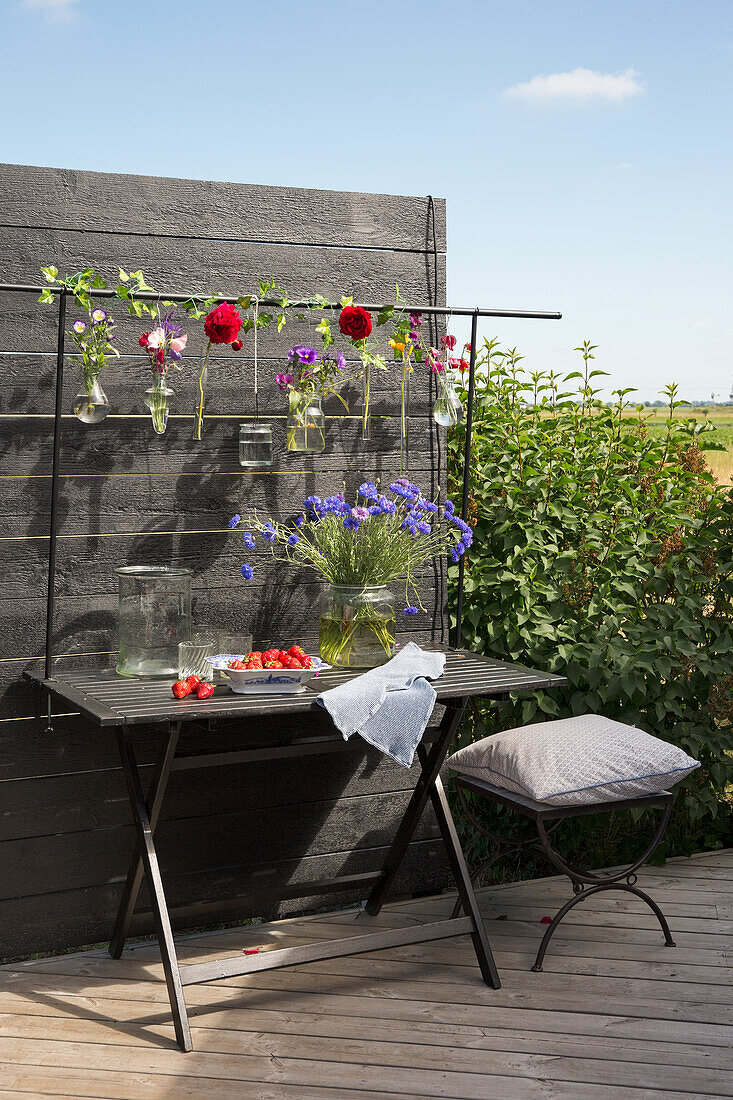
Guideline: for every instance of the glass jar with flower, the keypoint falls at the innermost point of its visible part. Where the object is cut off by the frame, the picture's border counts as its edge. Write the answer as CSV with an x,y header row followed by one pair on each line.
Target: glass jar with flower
x,y
94,339
361,549
447,410
221,326
164,345
355,323
311,378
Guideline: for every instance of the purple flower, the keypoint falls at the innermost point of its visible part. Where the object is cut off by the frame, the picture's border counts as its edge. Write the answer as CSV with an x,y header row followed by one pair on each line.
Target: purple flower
x,y
79,327
304,355
415,320
423,527
249,540
247,572
284,380
428,505
174,355
460,548
234,521
467,538
400,490
455,556
300,520
311,502
449,507
293,539
340,361
387,505
410,611
360,513
369,490
98,315
375,510
268,532
351,523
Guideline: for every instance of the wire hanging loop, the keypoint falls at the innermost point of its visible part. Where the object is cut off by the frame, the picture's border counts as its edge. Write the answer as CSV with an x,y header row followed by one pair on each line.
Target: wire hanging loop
x,y
255,314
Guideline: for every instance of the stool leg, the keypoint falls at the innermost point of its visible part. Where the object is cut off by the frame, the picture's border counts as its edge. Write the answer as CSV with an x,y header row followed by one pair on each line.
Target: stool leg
x,y
581,896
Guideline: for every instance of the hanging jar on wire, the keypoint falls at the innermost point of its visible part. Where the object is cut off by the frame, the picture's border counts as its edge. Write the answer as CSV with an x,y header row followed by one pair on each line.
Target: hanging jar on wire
x,y
164,345
94,339
447,410
311,377
255,437
221,326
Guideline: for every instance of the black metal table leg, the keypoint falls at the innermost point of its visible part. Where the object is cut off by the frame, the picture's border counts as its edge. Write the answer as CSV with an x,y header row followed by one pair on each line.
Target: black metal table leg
x,y
157,895
156,793
466,895
431,763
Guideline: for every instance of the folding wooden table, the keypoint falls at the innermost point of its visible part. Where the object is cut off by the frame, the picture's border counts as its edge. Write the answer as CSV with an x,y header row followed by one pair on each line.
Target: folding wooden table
x,y
111,701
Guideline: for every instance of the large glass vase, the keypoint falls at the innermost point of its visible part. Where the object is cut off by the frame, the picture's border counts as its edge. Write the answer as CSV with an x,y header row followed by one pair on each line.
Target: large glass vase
x,y
357,626
154,616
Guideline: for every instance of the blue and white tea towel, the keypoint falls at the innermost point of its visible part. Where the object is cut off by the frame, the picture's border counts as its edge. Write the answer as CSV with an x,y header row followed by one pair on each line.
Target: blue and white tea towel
x,y
388,706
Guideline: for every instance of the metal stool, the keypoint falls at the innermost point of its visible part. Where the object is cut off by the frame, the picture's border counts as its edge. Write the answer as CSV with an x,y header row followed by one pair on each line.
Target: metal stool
x,y
585,883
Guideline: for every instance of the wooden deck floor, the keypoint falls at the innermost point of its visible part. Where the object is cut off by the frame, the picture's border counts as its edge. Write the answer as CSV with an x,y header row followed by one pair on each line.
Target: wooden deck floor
x,y
614,1014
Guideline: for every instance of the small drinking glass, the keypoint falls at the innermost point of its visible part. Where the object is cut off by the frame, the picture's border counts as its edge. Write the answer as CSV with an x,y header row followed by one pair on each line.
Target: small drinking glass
x,y
193,653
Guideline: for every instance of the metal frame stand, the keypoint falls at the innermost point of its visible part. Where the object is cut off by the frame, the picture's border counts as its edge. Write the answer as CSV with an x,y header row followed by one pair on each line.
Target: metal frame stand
x,y
144,864
585,883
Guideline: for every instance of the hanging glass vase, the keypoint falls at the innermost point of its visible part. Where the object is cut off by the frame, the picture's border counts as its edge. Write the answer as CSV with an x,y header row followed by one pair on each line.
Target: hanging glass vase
x,y
255,446
202,379
366,420
357,625
306,425
157,399
90,404
447,410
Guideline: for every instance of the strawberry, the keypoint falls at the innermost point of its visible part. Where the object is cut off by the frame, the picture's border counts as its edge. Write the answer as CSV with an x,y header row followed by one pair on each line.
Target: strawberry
x,y
306,661
297,652
256,662
254,655
181,689
251,665
272,664
270,655
283,653
204,690
193,681
236,664
292,662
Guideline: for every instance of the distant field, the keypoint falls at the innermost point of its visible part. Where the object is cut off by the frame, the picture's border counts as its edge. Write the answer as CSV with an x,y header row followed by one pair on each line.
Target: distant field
x,y
720,462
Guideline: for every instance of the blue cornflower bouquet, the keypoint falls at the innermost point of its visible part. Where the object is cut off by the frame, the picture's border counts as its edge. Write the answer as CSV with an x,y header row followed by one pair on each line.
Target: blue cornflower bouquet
x,y
359,547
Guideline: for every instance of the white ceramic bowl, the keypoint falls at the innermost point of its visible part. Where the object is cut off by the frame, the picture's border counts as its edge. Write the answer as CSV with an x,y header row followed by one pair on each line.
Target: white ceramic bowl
x,y
265,681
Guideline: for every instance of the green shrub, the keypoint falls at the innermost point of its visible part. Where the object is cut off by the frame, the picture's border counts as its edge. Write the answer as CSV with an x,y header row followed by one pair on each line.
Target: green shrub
x,y
604,552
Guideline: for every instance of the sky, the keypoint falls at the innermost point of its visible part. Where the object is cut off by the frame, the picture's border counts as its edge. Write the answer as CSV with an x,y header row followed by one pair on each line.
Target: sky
x,y
584,147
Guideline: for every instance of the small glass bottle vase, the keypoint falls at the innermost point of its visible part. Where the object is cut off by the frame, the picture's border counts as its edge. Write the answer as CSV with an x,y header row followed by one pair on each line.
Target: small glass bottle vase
x,y
357,626
157,399
306,426
90,404
447,410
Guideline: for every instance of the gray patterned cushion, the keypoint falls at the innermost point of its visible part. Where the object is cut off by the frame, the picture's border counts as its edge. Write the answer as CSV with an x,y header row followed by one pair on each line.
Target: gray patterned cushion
x,y
575,761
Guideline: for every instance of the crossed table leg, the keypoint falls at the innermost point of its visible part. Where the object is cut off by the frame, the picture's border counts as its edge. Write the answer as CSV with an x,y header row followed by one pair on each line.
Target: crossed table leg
x,y
428,788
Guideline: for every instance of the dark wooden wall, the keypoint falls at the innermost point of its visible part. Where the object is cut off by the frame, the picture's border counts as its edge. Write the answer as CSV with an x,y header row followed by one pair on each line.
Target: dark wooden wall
x,y
128,496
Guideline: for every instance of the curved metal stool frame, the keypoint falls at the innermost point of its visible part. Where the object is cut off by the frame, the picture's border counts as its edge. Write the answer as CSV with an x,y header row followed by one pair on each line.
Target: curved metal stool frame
x,y
546,819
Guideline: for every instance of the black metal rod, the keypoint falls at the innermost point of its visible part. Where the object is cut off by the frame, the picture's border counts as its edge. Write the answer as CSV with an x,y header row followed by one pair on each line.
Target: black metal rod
x,y
51,597
466,471
440,311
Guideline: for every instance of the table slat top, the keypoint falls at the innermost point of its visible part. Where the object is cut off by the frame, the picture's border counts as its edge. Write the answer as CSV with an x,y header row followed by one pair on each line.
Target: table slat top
x,y
111,700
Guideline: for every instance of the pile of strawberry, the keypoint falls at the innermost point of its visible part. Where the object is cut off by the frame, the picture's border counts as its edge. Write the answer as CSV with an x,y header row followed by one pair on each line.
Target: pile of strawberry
x,y
194,684
293,658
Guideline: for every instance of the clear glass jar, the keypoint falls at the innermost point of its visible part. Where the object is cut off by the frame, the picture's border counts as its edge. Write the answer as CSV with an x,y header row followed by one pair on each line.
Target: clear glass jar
x,y
306,427
357,626
447,410
154,616
90,404
157,399
255,446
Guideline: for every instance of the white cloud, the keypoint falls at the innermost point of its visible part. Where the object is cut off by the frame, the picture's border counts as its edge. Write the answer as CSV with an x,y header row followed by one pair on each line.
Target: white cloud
x,y
578,87
59,11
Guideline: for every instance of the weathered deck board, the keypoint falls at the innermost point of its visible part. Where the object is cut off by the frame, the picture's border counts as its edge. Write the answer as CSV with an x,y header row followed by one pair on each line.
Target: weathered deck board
x,y
615,1013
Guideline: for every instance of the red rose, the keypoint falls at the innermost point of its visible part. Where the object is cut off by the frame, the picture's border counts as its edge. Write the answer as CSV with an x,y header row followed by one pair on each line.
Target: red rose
x,y
143,341
236,345
222,324
355,322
